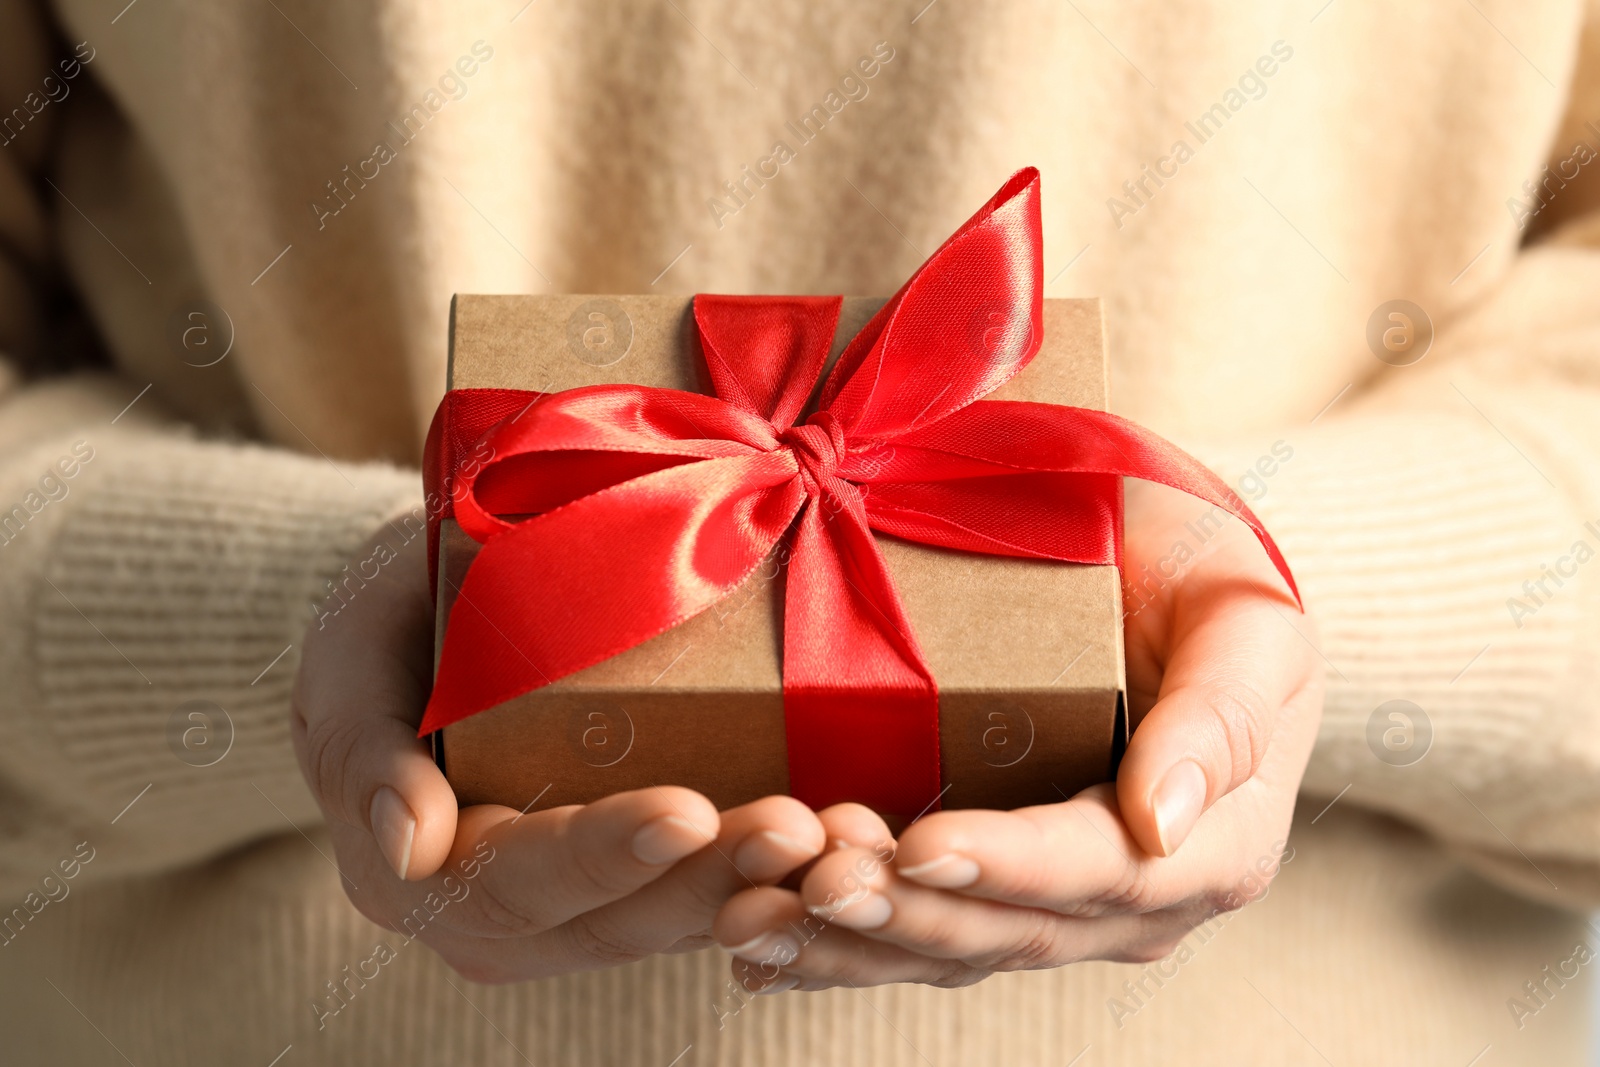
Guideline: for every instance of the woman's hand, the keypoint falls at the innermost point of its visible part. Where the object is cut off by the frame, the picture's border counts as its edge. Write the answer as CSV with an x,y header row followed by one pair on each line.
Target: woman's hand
x,y
502,896
1226,692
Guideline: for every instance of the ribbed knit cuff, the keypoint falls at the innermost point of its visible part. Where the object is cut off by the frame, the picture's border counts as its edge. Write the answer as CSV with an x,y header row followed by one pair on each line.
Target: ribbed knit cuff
x,y
157,610
1412,535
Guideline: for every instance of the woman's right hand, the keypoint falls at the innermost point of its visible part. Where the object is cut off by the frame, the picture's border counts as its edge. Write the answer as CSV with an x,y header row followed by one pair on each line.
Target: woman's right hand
x,y
503,896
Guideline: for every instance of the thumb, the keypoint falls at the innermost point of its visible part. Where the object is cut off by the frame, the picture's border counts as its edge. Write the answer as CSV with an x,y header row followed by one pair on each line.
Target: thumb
x,y
355,708
1234,663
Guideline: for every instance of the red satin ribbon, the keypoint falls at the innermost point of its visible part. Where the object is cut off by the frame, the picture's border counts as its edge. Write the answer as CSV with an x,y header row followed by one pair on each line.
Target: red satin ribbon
x,y
650,505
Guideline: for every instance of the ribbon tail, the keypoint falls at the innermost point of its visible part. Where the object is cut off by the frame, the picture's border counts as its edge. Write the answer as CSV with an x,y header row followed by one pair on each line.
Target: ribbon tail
x,y
1039,515
861,708
1142,454
1005,487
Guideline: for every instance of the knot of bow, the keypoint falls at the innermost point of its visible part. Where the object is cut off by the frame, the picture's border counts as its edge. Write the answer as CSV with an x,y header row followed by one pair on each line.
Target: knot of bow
x,y
818,445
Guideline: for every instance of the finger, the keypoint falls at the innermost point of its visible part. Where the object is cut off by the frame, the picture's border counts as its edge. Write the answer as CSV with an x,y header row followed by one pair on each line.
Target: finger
x,y
354,731
856,824
759,843
1236,660
984,934
777,944
761,840
548,866
845,825
1075,858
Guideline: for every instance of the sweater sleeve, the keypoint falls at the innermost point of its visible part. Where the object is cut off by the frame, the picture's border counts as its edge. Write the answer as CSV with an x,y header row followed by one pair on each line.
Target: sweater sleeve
x,y
1445,524
154,603
154,586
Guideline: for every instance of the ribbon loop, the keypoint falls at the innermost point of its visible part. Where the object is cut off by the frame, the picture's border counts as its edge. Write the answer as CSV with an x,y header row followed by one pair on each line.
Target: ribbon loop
x,y
765,352
965,323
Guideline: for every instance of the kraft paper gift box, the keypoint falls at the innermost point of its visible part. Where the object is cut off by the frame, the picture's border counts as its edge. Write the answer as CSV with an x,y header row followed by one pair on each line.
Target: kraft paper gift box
x,y
1027,654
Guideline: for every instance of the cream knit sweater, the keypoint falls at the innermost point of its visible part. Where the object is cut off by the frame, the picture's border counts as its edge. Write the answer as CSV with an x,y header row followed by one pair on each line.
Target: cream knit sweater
x,y
1245,182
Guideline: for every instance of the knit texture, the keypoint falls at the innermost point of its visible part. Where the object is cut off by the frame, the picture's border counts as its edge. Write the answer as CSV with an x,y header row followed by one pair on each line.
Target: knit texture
x,y
230,153
175,576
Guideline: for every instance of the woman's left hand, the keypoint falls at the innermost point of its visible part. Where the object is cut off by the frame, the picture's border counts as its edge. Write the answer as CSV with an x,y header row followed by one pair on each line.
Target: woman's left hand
x,y
1226,690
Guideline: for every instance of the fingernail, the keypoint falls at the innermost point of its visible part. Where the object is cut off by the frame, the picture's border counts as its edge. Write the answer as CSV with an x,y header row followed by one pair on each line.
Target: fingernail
x,y
826,912
769,851
782,985
1178,801
394,826
665,840
950,871
863,911
767,947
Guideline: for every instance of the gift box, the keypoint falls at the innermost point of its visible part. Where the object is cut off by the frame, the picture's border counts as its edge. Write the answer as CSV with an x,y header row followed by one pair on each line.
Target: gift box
x,y
852,550
1027,653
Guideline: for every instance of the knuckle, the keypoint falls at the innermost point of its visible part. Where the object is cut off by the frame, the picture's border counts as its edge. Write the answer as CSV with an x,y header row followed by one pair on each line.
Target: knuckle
x,y
596,943
1242,714
1246,889
690,943
589,865
960,975
1039,947
332,743
591,874
1131,891
495,916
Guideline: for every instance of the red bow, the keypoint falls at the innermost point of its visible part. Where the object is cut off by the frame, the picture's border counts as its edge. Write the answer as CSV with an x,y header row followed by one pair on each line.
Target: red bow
x,y
650,505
